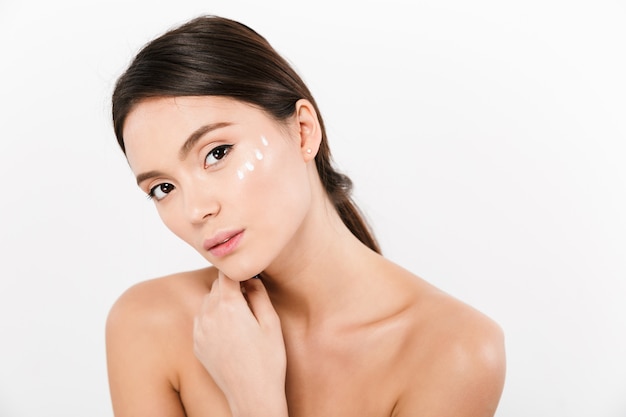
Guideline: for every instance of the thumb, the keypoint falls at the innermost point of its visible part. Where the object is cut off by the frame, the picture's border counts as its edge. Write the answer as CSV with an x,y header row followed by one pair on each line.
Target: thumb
x,y
228,288
260,302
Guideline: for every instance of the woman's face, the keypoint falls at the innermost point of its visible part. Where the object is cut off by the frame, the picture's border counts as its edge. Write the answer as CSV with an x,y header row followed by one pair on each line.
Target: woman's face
x,y
225,177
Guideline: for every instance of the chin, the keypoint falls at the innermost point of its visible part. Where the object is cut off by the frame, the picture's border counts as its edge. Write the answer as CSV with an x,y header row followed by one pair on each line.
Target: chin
x,y
238,272
240,278
239,266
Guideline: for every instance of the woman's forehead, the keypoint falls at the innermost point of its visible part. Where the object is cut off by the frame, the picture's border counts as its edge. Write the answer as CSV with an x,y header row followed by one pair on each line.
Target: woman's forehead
x,y
152,115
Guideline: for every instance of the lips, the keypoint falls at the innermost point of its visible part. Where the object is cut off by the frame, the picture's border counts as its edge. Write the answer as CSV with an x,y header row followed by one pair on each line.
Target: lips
x,y
223,243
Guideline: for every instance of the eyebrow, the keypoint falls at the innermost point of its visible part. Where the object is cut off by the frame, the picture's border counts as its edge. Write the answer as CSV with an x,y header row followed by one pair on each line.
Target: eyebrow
x,y
145,175
186,147
196,135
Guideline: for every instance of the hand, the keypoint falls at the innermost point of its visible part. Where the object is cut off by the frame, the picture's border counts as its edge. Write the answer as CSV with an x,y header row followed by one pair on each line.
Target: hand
x,y
240,343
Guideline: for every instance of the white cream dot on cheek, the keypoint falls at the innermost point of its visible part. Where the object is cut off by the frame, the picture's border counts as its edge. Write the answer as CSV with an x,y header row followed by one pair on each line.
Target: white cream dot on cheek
x,y
250,155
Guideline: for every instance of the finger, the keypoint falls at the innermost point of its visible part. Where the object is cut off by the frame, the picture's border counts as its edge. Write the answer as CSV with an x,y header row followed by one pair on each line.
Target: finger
x,y
260,302
227,288
199,337
197,329
210,296
214,289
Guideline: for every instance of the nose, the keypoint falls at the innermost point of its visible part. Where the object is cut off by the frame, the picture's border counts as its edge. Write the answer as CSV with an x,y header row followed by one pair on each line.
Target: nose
x,y
200,204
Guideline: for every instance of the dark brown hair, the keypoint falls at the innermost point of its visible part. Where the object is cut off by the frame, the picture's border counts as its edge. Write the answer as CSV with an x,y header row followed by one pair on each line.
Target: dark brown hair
x,y
215,56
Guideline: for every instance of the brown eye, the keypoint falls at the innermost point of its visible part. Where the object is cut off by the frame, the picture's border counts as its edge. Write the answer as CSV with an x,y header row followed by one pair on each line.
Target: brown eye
x,y
159,192
216,155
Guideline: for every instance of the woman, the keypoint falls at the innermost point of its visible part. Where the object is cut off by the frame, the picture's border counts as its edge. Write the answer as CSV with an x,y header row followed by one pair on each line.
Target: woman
x,y
227,140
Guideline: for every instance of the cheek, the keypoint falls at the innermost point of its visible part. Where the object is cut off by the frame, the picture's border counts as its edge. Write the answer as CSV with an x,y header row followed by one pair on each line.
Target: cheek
x,y
173,221
251,160
270,176
255,178
253,157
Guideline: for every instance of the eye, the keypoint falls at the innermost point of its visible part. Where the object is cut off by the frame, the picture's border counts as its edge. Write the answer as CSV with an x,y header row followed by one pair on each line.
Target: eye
x,y
160,191
216,155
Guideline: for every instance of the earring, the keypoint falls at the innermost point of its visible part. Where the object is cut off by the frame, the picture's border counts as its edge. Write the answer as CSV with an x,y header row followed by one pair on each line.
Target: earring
x,y
309,150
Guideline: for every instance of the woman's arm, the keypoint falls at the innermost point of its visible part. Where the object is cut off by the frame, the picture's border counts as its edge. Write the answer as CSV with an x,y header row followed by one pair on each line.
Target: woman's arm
x,y
140,364
248,359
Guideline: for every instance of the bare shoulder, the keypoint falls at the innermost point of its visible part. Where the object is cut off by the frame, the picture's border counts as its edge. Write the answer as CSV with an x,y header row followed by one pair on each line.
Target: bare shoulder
x,y
159,296
148,335
148,312
459,352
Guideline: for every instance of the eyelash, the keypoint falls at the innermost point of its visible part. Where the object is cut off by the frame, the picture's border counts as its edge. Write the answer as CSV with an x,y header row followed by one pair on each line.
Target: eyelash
x,y
222,148
151,193
223,152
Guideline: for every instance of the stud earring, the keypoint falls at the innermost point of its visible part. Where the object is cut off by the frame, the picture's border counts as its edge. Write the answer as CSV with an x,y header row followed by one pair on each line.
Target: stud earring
x,y
309,150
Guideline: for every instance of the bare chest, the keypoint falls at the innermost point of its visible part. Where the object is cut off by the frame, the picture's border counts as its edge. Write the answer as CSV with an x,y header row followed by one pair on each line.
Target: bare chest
x,y
343,378
347,375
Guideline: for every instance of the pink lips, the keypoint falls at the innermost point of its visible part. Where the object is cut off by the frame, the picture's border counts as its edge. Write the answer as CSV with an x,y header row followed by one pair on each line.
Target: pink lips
x,y
223,243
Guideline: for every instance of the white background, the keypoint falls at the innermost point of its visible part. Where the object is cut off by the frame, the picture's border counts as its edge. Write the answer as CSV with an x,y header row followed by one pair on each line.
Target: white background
x,y
486,140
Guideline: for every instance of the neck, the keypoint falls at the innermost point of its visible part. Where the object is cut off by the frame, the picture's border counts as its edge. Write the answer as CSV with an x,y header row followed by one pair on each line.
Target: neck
x,y
321,272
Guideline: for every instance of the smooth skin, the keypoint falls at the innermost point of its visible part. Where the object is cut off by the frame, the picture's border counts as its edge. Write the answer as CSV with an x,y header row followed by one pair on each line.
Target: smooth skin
x,y
331,328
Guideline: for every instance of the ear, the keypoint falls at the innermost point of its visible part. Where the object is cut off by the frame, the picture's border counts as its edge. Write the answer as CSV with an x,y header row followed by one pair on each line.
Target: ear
x,y
309,129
